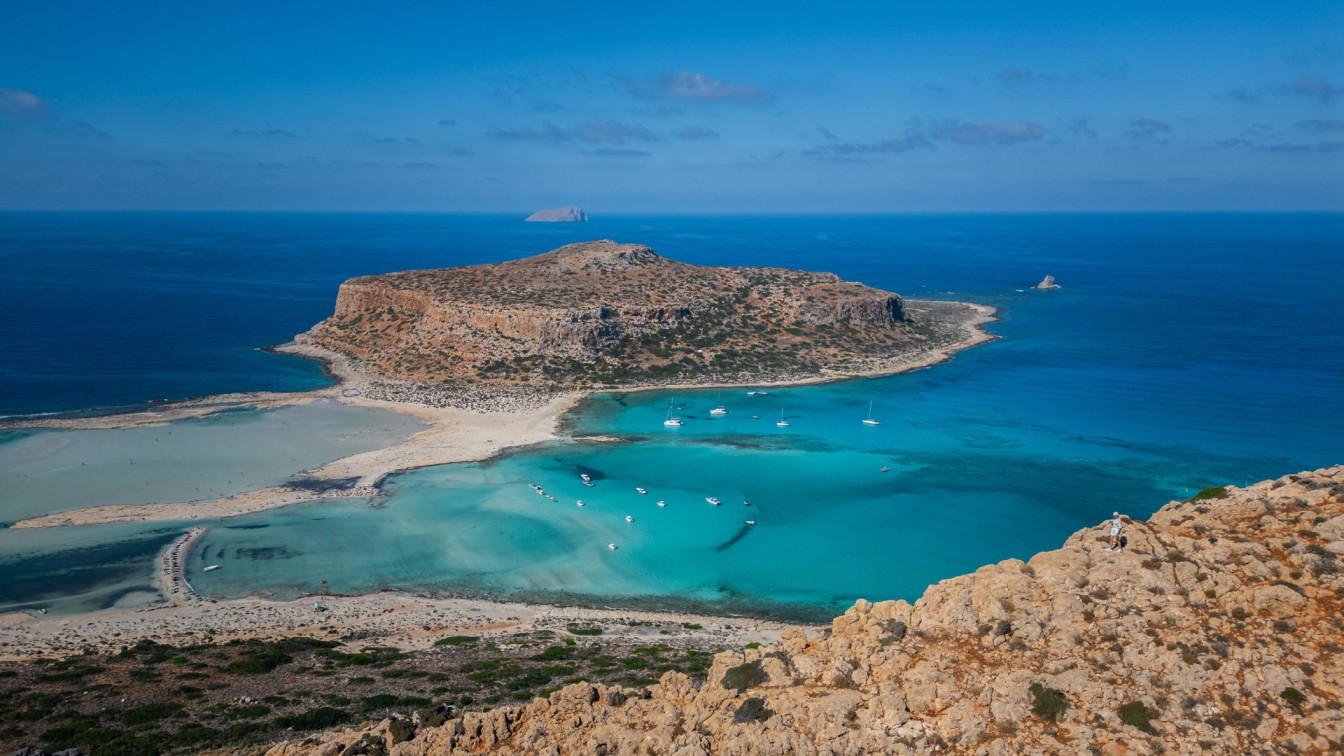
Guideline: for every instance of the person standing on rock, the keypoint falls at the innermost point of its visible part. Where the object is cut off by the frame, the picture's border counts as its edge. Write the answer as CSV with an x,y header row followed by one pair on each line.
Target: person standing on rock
x,y
1116,526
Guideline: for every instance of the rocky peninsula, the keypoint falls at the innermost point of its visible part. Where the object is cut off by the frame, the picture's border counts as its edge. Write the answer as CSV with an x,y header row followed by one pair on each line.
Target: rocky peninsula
x,y
601,315
1218,630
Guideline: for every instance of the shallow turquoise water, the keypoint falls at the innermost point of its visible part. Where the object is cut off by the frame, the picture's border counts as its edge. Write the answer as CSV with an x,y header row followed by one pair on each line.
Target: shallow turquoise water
x,y
1183,351
47,471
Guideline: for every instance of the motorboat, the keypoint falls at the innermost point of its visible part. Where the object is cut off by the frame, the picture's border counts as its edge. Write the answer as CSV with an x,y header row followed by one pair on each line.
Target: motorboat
x,y
586,479
713,500
718,411
211,568
611,546
750,522
662,503
580,502
640,490
628,518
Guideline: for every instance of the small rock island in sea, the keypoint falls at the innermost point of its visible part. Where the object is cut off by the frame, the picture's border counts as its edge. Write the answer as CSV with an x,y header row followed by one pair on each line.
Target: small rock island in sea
x,y
568,214
1047,283
602,313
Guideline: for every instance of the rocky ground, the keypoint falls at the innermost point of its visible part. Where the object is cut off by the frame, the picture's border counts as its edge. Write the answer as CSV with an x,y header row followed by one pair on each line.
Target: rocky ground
x,y
1219,629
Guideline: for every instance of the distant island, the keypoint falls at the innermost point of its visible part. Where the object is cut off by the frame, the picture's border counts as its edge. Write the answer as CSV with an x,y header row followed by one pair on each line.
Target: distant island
x,y
569,214
1047,283
602,314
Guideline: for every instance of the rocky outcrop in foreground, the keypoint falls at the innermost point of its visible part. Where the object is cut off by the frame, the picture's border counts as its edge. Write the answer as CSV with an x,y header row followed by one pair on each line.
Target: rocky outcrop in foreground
x,y
603,314
1219,629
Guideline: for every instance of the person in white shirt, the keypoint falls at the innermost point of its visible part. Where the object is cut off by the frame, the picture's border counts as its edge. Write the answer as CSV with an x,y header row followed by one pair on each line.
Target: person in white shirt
x,y
1116,526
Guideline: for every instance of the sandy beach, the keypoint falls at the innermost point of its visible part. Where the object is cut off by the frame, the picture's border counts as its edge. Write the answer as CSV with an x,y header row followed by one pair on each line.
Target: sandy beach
x,y
472,430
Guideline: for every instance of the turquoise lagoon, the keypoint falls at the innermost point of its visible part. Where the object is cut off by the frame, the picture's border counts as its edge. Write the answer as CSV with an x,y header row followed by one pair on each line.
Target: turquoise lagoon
x,y
1183,351
219,455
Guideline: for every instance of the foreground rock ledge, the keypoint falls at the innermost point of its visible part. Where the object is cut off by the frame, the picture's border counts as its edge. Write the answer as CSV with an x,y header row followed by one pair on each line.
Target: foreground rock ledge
x,y
1219,629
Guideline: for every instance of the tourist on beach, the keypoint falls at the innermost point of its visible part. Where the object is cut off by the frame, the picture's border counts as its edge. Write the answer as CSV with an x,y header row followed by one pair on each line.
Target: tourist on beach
x,y
1116,526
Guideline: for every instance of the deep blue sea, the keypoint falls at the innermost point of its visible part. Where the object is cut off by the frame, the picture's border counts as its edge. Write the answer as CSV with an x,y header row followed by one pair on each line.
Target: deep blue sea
x,y
1181,351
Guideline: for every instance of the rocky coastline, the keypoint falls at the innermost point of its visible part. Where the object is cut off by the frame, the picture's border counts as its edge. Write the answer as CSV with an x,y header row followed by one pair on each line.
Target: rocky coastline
x,y
1217,630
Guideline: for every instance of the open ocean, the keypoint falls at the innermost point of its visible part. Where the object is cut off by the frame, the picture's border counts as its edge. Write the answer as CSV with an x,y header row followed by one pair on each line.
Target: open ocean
x,y
1184,350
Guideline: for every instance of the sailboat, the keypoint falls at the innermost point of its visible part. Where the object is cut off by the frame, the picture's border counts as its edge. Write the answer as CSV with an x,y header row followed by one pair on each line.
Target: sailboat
x,y
869,420
671,422
782,422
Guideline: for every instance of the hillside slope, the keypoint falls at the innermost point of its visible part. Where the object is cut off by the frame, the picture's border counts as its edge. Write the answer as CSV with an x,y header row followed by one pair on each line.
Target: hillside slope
x,y
1219,629
602,313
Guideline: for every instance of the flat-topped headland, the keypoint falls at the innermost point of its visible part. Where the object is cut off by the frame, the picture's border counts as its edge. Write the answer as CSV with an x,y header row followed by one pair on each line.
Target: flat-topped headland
x,y
602,315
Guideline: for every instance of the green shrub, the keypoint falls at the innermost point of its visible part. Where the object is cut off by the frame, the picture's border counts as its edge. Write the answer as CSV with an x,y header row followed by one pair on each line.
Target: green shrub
x,y
257,664
150,713
1294,697
316,719
1047,703
1137,715
752,710
744,676
577,630
1217,492
458,640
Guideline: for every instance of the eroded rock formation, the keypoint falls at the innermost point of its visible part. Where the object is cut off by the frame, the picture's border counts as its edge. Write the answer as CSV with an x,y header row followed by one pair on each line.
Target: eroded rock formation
x,y
1218,630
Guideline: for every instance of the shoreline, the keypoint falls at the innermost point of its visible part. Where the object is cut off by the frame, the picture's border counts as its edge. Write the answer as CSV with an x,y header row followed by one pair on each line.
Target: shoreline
x,y
454,434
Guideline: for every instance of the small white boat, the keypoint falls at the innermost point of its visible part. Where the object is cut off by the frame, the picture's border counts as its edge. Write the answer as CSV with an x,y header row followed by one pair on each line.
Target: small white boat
x,y
628,518
869,420
641,490
671,422
611,546
746,503
782,422
885,469
580,502
534,486
751,393
586,479
713,500
211,568
718,411
662,503
750,522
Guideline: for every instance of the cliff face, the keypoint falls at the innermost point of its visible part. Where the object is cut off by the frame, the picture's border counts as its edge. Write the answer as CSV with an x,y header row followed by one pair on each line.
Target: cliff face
x,y
1219,629
617,312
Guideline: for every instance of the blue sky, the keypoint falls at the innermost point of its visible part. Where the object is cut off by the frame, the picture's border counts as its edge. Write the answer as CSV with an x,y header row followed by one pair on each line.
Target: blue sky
x,y
713,107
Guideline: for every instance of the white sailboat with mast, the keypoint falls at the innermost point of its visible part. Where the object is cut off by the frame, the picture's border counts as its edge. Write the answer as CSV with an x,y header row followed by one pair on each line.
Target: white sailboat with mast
x,y
869,420
671,422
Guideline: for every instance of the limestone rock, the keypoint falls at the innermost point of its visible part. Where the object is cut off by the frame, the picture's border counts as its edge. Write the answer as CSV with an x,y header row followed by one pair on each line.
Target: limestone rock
x,y
1215,609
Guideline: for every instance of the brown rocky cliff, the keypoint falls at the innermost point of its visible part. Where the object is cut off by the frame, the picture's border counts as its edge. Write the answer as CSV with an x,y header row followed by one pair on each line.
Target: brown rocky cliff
x,y
1218,630
617,311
